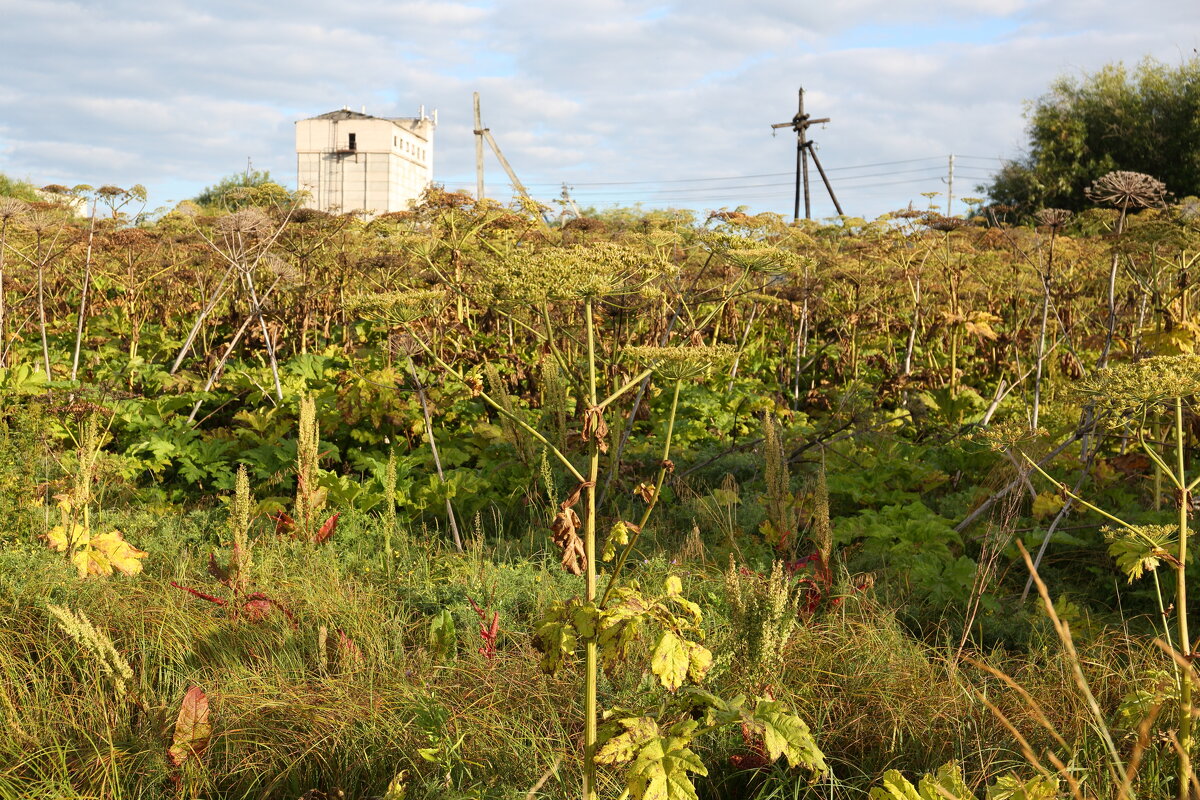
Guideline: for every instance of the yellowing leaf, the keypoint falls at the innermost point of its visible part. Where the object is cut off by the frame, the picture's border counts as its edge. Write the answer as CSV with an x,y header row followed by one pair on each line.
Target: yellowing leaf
x,y
60,537
979,323
895,787
618,536
1047,504
670,661
621,748
946,784
96,555
556,640
113,552
1180,340
1011,787
660,771
700,660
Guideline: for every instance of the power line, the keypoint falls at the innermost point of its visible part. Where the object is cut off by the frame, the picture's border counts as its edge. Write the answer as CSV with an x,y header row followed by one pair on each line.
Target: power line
x,y
926,180
848,182
740,177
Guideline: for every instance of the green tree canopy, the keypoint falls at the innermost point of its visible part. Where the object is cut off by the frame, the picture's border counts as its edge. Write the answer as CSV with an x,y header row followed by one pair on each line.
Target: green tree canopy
x,y
241,189
1145,120
22,190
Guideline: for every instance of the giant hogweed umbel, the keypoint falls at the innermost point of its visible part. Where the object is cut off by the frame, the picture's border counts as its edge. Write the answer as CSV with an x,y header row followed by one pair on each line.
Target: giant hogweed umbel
x,y
543,293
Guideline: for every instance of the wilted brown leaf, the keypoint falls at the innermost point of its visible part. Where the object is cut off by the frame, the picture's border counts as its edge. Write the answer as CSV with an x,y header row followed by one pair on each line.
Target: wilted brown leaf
x,y
192,728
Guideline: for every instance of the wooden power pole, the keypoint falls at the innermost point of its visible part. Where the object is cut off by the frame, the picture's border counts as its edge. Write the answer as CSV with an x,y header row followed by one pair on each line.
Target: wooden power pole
x,y
478,151
483,134
804,148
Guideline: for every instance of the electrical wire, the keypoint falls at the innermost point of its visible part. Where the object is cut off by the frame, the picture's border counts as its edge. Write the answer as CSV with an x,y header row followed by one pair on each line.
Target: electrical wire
x,y
729,177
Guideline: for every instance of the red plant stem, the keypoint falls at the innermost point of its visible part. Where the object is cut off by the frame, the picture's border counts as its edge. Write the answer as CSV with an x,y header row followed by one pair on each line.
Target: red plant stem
x,y
210,598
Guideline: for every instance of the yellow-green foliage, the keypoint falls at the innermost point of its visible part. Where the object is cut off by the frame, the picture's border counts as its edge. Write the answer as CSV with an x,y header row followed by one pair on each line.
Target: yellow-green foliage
x,y
778,501
310,496
764,611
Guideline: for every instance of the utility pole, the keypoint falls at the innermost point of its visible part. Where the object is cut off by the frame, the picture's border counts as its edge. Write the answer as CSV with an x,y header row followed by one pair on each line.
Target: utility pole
x,y
569,201
804,148
485,134
950,188
478,151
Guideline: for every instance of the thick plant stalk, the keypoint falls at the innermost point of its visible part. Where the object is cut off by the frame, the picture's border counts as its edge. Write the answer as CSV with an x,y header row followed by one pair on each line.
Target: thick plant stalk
x,y
737,358
437,461
592,654
1181,619
215,375
256,308
218,293
1112,292
83,298
912,329
1041,353
801,349
662,474
41,298
3,319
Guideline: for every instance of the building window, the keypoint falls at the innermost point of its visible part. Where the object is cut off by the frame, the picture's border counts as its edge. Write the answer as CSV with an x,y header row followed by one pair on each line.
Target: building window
x,y
395,139
353,142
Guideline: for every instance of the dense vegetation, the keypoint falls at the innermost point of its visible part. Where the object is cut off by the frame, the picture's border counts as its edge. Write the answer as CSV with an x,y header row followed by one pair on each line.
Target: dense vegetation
x,y
1146,120
451,504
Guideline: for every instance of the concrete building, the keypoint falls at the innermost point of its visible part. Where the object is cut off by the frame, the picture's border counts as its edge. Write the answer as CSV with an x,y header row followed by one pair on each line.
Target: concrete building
x,y
351,161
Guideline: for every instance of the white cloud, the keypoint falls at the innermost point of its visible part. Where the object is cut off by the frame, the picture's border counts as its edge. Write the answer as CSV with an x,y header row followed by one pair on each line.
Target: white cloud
x,y
180,92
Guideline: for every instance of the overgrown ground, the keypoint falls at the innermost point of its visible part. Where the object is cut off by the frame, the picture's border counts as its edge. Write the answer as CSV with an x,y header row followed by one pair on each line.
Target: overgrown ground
x,y
847,476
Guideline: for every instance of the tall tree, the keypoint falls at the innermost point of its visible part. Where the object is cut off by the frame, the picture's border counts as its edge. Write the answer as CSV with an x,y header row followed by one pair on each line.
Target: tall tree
x,y
1143,120
243,189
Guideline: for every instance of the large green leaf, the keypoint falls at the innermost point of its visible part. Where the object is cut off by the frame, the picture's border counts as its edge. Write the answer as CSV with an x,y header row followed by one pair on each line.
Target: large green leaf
x,y
786,735
1140,549
945,784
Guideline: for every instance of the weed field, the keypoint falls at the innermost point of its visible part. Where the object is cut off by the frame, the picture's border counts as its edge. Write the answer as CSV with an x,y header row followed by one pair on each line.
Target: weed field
x,y
454,504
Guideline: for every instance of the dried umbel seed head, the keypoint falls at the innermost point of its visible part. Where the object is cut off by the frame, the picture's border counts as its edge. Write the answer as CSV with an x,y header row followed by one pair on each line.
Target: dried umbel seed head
x,y
681,363
942,223
1127,190
11,208
40,221
248,221
402,344
1124,389
285,271
1053,218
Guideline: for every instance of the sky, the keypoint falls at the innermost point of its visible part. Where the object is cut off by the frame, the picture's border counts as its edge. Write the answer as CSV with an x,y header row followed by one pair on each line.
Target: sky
x,y
667,104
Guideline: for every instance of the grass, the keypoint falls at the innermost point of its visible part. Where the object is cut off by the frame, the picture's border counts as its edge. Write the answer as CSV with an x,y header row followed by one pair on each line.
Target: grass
x,y
291,715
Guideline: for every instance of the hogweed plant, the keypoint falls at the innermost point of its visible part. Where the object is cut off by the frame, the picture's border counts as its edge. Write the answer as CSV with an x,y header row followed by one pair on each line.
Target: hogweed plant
x,y
1130,397
543,293
90,551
